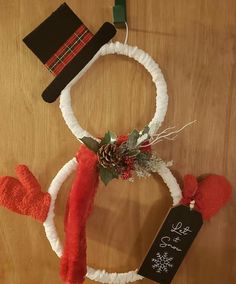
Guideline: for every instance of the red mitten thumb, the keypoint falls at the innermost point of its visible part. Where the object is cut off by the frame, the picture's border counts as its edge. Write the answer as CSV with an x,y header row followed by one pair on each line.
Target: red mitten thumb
x,y
27,179
189,189
24,196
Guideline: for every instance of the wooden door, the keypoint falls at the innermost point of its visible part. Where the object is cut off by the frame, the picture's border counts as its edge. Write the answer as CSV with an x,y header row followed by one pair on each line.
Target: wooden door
x,y
194,43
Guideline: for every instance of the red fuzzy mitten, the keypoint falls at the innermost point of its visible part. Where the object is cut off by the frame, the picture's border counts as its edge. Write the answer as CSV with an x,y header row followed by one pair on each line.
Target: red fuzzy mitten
x,y
210,194
24,196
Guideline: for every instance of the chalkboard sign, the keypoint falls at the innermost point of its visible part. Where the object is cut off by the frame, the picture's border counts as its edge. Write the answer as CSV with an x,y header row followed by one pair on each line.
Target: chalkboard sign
x,y
171,244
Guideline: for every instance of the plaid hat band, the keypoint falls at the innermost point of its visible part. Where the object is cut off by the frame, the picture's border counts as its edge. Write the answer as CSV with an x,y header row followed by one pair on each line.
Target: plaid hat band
x,y
69,50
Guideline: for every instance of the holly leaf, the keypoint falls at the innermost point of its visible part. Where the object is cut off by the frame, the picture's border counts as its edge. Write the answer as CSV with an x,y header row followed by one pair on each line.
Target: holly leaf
x,y
133,152
144,136
132,139
108,138
146,130
106,175
113,136
91,143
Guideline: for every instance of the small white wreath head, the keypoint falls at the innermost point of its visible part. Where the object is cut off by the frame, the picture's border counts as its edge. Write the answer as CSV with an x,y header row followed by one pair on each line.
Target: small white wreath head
x,y
140,56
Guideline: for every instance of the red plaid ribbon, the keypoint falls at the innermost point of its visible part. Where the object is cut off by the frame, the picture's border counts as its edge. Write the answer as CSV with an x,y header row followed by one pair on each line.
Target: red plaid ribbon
x,y
69,50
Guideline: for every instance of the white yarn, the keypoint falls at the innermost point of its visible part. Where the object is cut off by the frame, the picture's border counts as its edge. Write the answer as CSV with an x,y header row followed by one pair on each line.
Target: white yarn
x,y
171,182
51,232
140,56
54,188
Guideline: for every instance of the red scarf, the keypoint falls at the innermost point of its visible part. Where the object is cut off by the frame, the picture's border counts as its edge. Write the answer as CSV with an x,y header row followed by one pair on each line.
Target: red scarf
x,y
73,261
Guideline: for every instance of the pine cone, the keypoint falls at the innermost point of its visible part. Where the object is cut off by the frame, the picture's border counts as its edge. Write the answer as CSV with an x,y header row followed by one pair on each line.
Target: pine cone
x,y
108,155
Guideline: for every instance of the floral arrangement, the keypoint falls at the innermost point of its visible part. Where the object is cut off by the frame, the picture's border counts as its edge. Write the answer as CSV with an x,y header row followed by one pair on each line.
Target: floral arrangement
x,y
124,156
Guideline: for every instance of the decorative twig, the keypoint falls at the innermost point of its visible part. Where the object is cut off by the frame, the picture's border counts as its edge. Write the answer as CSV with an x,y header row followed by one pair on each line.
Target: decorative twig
x,y
156,138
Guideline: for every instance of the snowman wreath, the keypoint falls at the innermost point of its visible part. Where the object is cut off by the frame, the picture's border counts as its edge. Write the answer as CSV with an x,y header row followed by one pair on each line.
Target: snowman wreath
x,y
68,49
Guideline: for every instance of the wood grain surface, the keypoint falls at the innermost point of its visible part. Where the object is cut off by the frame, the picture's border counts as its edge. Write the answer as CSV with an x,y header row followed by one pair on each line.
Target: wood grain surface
x,y
194,42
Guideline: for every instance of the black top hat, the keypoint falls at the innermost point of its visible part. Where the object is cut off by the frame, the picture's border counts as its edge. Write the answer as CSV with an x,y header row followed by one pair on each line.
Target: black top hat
x,y
65,45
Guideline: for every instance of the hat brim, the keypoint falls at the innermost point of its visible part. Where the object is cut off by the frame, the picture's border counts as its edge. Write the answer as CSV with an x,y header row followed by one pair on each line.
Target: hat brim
x,y
104,34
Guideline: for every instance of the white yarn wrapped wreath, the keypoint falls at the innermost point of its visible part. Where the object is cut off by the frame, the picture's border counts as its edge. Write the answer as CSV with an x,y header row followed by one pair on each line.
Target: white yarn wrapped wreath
x,y
140,56
65,104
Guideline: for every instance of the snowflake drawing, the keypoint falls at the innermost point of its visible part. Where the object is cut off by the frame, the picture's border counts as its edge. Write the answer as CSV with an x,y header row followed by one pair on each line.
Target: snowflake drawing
x,y
162,262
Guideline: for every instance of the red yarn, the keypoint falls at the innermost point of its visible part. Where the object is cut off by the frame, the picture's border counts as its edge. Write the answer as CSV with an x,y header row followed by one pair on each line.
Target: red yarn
x,y
190,189
210,194
73,262
24,196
